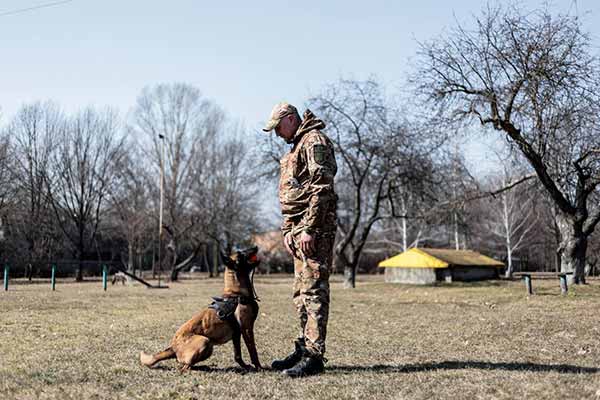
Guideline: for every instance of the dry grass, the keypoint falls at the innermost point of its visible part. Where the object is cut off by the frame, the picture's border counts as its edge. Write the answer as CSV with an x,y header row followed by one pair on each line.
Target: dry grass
x,y
459,341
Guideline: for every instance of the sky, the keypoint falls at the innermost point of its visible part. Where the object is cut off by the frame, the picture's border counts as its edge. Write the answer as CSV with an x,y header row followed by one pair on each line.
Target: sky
x,y
246,56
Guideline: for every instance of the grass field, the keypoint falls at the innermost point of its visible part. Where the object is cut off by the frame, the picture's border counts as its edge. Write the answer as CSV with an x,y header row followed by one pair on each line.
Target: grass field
x,y
459,341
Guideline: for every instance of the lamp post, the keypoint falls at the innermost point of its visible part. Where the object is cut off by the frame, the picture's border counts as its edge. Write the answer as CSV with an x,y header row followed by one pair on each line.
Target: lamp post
x,y
160,207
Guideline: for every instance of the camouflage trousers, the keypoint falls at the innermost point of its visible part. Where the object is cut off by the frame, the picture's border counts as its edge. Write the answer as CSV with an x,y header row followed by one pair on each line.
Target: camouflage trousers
x,y
311,292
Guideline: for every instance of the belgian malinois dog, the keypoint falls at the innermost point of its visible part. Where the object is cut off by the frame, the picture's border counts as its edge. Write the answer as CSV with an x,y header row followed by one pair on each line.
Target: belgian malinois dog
x,y
227,318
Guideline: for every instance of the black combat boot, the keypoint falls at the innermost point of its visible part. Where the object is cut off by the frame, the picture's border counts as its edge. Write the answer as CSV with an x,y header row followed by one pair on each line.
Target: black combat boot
x,y
309,365
291,360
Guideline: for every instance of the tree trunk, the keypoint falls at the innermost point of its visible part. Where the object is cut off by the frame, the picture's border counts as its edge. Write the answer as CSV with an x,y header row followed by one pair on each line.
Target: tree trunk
x,y
153,262
29,269
79,273
341,259
455,220
138,265
176,269
130,262
509,267
572,249
80,251
210,266
174,275
186,262
349,276
404,234
509,249
215,260
573,258
556,232
205,262
507,231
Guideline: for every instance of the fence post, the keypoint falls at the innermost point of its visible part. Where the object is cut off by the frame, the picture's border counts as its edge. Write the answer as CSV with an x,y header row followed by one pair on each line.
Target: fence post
x,y
527,279
53,277
5,277
104,273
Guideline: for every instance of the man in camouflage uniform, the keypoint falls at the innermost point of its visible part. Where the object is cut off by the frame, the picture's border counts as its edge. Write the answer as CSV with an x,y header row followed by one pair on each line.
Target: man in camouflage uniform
x,y
308,205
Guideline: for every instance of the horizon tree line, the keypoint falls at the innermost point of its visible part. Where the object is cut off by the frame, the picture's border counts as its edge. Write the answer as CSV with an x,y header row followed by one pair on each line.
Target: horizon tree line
x,y
72,185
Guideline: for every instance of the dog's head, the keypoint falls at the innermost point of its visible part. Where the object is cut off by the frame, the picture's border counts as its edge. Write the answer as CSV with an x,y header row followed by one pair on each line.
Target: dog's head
x,y
242,260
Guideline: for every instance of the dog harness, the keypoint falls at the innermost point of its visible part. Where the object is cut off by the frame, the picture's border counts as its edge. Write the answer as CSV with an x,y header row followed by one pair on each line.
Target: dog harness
x,y
226,306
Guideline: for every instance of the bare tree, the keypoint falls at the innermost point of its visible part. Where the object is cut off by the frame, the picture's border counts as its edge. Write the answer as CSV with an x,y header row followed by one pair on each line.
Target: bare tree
x,y
187,123
409,228
131,207
453,210
533,77
431,209
228,194
512,216
377,149
7,176
87,153
8,193
208,172
34,130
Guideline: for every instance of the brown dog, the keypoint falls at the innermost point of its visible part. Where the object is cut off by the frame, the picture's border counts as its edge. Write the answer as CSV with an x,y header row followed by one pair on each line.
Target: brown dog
x,y
227,318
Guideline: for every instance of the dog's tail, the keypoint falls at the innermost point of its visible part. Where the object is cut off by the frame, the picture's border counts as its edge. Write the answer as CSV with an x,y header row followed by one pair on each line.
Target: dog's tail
x,y
150,359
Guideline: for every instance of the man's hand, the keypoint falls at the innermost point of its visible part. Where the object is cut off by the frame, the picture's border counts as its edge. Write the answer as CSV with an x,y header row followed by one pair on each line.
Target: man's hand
x,y
307,244
287,242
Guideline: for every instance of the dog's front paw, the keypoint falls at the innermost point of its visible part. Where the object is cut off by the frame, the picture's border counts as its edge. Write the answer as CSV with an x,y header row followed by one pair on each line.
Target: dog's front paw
x,y
147,359
183,368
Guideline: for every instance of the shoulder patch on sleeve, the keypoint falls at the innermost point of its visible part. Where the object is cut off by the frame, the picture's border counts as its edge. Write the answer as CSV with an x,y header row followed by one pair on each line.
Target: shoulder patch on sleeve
x,y
320,153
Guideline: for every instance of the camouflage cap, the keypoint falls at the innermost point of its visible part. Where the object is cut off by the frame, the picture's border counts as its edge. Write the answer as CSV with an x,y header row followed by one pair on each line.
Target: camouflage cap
x,y
279,111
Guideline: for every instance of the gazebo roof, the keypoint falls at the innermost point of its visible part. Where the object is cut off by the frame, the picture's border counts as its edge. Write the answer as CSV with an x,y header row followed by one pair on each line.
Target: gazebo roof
x,y
439,258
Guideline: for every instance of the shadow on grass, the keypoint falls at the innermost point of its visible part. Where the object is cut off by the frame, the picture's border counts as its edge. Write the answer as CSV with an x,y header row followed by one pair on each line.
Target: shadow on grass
x,y
452,365
206,368
409,368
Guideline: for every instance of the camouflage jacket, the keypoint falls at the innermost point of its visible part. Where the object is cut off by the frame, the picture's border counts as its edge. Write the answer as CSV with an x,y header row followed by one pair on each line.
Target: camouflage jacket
x,y
306,191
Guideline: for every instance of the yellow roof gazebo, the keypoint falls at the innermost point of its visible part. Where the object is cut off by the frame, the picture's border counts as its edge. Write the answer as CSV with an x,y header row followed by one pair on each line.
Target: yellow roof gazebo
x,y
424,265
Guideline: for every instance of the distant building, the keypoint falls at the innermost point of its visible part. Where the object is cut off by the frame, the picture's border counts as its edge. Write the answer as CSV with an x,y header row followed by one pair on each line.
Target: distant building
x,y
269,242
272,252
424,266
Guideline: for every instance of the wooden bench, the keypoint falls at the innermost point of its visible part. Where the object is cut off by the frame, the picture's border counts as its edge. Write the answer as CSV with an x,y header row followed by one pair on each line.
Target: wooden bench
x,y
562,278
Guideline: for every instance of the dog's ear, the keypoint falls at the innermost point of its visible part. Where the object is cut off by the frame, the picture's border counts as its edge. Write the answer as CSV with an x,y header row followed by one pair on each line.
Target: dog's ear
x,y
227,260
